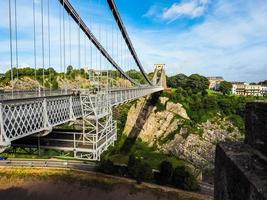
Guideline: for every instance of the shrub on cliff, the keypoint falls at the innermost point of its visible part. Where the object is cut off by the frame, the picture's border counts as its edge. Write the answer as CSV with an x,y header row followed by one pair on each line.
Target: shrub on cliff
x,y
183,179
107,166
164,176
139,170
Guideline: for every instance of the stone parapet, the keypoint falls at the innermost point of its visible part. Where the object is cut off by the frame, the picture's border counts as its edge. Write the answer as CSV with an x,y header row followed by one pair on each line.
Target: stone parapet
x,y
256,126
241,168
240,174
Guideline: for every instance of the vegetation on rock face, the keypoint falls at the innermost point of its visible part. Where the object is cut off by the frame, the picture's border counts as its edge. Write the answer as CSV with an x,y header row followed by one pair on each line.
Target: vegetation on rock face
x,y
202,105
183,179
165,173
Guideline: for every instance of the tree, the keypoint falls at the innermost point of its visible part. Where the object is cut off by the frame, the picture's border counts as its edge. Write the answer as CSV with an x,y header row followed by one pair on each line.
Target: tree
x,y
165,173
133,165
225,87
178,178
183,179
136,75
144,172
107,166
197,83
263,83
69,69
177,81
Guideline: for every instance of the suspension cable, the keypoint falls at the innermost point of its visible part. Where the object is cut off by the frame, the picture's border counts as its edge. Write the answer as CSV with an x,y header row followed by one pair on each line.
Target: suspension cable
x,y
60,39
64,38
34,40
85,52
16,40
79,39
91,57
42,19
11,46
70,39
49,43
91,49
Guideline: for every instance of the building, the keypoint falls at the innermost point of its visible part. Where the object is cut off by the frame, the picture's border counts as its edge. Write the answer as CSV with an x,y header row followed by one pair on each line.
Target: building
x,y
245,89
264,89
215,82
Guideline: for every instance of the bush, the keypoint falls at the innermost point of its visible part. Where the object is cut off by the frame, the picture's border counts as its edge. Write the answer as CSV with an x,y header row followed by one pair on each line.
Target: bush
x,y
107,166
144,172
183,179
133,165
165,173
138,170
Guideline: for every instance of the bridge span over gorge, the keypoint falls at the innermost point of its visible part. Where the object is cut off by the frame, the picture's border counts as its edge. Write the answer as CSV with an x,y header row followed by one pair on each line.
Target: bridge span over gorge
x,y
84,35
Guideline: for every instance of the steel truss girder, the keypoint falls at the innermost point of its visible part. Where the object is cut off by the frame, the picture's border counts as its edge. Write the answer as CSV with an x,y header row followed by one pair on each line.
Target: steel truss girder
x,y
98,125
19,119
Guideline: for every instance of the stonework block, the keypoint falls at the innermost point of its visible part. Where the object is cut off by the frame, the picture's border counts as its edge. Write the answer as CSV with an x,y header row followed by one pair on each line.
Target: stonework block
x,y
256,126
240,174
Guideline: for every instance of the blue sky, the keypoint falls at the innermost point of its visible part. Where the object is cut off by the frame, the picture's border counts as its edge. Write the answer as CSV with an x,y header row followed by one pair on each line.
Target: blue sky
x,y
209,37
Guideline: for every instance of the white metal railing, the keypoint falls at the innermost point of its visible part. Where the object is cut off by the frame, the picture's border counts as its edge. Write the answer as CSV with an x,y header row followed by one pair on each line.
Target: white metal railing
x,y
22,117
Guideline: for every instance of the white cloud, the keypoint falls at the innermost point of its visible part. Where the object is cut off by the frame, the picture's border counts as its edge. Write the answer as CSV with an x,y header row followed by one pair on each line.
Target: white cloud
x,y
187,8
232,42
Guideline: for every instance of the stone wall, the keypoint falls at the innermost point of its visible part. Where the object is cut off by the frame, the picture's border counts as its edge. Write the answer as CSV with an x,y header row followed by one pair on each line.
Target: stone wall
x,y
241,168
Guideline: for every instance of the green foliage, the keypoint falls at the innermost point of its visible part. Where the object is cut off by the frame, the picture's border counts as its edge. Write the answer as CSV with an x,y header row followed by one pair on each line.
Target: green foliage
x,y
133,165
263,82
107,166
160,107
183,179
121,117
225,87
69,69
144,172
194,83
136,75
197,83
139,170
201,105
165,173
179,80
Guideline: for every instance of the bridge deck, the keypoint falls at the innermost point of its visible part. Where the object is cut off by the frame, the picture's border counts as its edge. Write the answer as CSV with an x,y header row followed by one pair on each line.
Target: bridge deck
x,y
26,116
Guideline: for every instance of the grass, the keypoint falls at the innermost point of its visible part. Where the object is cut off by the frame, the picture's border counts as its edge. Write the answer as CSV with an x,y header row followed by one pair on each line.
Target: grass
x,y
17,176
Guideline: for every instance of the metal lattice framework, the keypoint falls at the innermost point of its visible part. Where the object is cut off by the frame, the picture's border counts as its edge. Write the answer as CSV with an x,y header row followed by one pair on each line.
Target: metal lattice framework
x,y
36,113
21,118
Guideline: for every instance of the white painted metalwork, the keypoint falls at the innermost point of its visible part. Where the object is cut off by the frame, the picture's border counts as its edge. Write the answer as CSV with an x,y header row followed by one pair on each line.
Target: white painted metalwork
x,y
21,118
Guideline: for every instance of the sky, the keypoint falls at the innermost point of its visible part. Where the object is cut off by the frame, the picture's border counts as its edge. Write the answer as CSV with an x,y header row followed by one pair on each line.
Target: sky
x,y
210,37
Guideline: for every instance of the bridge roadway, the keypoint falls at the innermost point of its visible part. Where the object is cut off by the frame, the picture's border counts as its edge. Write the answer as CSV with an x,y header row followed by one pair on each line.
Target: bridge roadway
x,y
25,114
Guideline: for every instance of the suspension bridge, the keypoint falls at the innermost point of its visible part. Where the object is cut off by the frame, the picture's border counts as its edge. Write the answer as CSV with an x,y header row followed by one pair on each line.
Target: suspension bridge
x,y
89,35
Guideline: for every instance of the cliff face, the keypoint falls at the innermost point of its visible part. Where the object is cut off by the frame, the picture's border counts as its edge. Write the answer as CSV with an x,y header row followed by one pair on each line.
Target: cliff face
x,y
171,131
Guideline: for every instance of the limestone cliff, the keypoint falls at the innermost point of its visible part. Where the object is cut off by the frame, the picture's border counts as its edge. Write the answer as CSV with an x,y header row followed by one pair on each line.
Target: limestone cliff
x,y
171,131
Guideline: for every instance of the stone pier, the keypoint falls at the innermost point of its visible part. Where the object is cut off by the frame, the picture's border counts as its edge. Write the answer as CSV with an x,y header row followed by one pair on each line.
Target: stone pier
x,y
241,168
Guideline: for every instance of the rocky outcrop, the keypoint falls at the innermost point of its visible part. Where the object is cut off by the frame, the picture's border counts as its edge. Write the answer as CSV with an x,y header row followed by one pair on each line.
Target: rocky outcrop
x,y
199,147
77,83
24,83
169,131
158,124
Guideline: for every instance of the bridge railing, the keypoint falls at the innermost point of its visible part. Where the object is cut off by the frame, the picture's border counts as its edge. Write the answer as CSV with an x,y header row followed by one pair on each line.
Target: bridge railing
x,y
16,95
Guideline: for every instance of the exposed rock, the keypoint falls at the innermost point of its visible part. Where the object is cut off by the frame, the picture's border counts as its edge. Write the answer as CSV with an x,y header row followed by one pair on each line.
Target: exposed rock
x,y
196,146
77,83
24,83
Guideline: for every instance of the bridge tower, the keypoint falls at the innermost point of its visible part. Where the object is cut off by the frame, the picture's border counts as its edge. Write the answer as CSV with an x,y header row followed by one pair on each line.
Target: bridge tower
x,y
159,75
